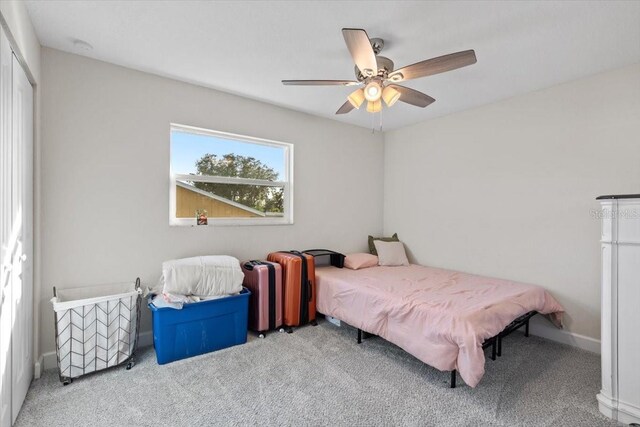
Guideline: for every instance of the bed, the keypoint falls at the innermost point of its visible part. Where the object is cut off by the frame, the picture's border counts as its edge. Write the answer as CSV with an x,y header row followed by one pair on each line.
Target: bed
x,y
442,317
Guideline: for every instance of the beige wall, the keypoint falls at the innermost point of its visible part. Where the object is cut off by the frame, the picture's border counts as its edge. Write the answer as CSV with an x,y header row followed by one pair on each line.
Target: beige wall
x,y
503,190
106,143
506,189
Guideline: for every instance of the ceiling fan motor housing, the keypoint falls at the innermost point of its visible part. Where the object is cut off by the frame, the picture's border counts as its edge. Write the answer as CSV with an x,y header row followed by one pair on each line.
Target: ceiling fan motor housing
x,y
377,45
385,66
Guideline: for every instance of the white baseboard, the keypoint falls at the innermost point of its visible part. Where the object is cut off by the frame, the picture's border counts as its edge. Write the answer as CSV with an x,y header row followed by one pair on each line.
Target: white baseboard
x,y
145,339
38,367
332,320
620,411
542,328
48,360
628,414
606,405
563,336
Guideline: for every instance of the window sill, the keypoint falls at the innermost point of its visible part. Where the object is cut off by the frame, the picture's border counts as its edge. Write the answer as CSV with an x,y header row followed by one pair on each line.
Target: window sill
x,y
188,222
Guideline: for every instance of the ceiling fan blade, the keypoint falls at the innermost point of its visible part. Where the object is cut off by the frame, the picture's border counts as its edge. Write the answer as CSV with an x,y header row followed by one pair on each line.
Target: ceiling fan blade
x,y
346,107
361,51
320,82
433,66
413,97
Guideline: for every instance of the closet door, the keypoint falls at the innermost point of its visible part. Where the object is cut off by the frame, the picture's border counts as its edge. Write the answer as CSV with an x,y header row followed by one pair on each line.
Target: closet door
x,y
6,300
22,260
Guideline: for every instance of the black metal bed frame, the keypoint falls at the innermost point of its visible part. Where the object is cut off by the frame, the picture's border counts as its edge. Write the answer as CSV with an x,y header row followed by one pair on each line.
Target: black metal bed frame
x,y
494,342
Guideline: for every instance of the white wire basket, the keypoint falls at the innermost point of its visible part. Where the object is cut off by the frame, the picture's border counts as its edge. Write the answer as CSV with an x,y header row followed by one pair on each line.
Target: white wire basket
x,y
96,328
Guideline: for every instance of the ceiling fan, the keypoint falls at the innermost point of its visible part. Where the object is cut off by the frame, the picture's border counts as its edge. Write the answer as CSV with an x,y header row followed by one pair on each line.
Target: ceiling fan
x,y
377,75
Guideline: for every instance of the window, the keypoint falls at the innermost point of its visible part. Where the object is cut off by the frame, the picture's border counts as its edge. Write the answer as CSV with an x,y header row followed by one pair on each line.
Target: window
x,y
236,179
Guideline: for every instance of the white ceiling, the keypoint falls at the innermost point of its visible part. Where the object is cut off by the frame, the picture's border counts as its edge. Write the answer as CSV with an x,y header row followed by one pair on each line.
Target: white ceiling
x,y
246,48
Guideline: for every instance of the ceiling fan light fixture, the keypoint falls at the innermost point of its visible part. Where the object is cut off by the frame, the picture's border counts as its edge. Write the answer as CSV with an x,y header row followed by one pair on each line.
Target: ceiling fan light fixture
x,y
374,106
356,98
390,95
373,91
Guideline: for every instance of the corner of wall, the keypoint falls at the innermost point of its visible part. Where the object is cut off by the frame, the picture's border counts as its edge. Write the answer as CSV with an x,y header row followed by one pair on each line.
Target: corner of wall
x,y
384,181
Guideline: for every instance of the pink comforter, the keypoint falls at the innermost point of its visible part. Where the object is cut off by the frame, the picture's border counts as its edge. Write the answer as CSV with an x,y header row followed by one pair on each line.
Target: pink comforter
x,y
442,317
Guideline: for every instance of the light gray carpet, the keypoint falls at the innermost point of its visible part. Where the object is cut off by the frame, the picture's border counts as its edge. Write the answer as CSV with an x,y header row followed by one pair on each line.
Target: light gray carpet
x,y
320,376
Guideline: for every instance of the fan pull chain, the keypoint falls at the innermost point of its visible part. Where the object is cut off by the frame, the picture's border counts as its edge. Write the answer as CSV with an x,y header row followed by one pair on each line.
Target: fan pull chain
x,y
373,123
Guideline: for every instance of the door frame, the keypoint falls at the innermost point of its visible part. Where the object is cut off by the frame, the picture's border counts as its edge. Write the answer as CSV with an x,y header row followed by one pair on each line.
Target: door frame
x,y
22,366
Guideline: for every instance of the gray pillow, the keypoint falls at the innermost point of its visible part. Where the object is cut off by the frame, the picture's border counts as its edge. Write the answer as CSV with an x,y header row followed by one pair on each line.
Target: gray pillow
x,y
372,246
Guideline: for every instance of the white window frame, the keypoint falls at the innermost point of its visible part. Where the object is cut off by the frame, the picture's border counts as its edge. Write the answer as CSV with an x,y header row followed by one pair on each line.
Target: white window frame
x,y
286,184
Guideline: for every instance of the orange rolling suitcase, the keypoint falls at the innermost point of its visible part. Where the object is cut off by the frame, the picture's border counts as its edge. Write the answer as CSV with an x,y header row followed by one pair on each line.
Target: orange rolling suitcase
x,y
298,282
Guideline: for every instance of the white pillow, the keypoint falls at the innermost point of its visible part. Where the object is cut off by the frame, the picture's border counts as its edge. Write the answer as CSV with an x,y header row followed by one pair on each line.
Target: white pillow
x,y
391,253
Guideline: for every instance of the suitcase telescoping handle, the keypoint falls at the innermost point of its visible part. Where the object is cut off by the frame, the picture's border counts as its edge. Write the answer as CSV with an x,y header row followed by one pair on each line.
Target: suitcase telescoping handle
x,y
305,276
306,295
250,264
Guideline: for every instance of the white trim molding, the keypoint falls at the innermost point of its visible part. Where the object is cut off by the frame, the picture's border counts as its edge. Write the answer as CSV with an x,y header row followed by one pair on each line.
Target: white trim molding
x,y
49,361
619,397
145,339
263,218
540,329
616,410
38,367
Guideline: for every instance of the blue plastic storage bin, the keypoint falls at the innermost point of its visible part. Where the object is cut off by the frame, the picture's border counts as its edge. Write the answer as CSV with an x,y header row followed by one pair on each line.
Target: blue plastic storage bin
x,y
200,327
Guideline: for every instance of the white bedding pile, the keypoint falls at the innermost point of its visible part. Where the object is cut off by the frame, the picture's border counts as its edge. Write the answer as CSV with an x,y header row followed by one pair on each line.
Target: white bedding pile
x,y
203,276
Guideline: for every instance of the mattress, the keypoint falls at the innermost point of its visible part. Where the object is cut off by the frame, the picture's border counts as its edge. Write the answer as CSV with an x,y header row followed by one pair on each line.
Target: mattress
x,y
442,317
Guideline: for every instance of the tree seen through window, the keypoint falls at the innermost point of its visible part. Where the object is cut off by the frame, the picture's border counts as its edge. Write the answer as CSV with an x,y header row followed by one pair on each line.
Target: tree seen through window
x,y
258,197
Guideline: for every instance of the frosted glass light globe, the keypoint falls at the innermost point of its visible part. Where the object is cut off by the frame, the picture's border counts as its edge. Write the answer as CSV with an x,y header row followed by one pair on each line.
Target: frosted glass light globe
x,y
373,91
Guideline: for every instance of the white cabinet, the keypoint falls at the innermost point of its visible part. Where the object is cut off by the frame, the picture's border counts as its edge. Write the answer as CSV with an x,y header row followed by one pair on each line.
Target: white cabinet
x,y
619,397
